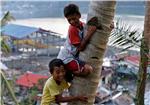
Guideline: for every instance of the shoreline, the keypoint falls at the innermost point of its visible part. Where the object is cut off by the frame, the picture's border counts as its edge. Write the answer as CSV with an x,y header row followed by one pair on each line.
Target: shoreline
x,y
60,25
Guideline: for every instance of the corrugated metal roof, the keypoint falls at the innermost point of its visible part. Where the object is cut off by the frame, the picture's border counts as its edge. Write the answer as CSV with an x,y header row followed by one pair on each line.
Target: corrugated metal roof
x,y
29,79
18,31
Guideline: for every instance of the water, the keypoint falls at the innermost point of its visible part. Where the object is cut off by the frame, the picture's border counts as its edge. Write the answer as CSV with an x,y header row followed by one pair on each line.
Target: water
x,y
47,9
39,9
129,12
130,8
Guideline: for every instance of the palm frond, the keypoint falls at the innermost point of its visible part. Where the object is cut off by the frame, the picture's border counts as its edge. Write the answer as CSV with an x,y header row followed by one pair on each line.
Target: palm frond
x,y
127,47
4,47
6,18
124,36
9,88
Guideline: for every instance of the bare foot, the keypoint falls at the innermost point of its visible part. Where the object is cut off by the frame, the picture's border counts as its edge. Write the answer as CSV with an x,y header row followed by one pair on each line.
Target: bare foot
x,y
83,72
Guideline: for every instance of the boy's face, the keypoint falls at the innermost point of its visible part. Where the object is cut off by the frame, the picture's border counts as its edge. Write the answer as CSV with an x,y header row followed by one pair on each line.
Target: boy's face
x,y
74,20
58,73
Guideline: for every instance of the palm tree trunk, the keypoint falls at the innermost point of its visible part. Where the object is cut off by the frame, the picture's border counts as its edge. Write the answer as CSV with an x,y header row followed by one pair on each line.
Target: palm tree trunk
x,y
93,54
145,45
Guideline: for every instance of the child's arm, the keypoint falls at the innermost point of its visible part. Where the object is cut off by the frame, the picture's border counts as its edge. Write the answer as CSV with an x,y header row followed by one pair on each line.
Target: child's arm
x,y
59,98
90,31
92,26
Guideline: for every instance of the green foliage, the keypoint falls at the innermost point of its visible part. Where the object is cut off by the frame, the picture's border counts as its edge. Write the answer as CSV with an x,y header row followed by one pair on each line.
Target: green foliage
x,y
26,102
148,77
11,92
32,92
4,47
7,18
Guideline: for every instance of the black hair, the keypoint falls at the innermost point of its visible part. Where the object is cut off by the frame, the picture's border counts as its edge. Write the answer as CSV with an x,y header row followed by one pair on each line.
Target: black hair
x,y
71,9
55,63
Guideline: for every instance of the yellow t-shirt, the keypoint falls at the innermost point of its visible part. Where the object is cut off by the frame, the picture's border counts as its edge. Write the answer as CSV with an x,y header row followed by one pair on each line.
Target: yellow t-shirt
x,y
51,89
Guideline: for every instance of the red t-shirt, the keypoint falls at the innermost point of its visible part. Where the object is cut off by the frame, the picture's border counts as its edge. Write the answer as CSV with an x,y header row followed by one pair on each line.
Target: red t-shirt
x,y
74,34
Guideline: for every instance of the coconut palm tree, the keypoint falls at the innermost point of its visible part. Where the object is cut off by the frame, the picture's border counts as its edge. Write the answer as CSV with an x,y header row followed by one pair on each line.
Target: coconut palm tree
x,y
126,38
5,48
5,20
144,52
93,54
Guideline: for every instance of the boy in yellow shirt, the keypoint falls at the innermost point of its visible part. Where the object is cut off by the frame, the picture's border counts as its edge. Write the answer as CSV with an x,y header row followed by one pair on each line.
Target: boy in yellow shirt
x,y
56,84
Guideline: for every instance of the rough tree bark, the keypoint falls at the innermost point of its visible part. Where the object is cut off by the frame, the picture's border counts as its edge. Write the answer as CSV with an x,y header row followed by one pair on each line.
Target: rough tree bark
x,y
93,54
144,52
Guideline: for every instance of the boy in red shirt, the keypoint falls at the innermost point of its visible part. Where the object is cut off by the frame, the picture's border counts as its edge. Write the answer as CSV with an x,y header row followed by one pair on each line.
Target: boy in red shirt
x,y
76,42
